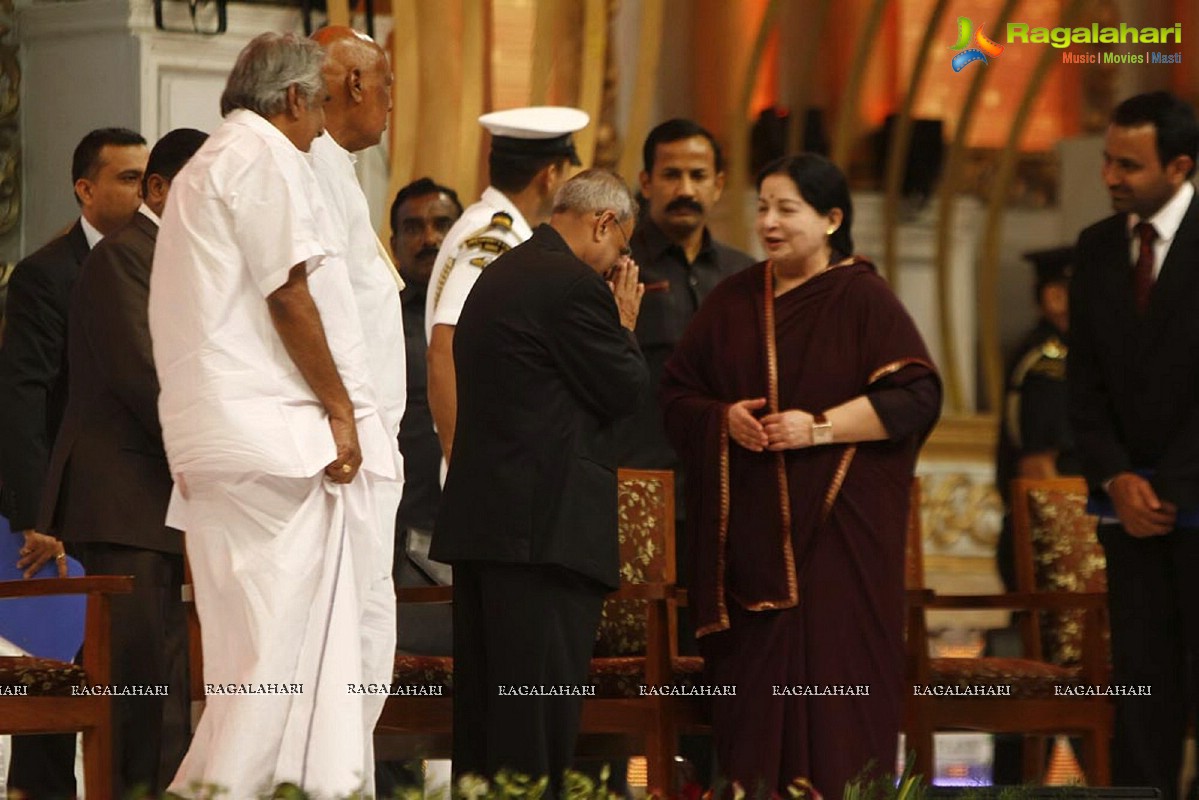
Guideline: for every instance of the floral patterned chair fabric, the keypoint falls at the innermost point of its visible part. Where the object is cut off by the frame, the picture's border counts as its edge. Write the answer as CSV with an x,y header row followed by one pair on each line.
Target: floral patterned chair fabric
x,y
41,677
36,694
1030,696
634,647
1066,557
431,671
644,512
1018,677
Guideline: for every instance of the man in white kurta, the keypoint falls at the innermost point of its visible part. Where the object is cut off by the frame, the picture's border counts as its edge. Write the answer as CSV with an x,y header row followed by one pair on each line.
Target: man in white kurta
x,y
275,436
358,80
530,150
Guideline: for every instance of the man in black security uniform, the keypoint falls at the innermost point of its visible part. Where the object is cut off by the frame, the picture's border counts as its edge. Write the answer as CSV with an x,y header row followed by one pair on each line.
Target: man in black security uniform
x,y
1034,432
680,263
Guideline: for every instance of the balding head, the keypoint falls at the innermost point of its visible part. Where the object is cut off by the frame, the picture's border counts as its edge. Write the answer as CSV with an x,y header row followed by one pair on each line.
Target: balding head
x,y
358,78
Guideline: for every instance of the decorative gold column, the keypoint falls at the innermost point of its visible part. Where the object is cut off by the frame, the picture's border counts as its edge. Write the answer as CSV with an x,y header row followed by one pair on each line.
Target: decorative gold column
x,y
945,221
439,54
649,50
897,151
738,122
988,283
847,116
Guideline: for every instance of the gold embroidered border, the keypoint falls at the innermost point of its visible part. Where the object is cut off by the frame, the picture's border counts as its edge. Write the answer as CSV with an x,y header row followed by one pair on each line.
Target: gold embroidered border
x,y
896,366
772,386
723,534
838,478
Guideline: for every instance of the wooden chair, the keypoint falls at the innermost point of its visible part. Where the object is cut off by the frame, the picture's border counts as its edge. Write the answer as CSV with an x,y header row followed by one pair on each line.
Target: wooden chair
x,y
48,705
636,642
1033,706
635,647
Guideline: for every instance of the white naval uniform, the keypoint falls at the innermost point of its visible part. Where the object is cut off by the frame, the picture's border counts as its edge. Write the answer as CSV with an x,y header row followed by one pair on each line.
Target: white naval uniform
x,y
271,542
474,241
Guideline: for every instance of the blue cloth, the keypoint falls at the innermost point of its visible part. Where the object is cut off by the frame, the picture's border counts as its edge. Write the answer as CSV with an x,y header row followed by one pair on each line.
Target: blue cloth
x,y
47,627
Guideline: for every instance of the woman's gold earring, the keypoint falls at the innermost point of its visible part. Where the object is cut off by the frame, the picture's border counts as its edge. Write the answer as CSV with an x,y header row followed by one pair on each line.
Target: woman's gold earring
x,y
830,231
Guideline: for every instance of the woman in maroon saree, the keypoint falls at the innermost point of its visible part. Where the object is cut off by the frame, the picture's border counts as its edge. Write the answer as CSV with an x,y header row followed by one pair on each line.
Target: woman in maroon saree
x,y
798,400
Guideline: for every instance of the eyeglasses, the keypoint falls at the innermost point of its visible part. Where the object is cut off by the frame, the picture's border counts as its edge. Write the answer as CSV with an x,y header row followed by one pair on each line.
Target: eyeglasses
x,y
624,249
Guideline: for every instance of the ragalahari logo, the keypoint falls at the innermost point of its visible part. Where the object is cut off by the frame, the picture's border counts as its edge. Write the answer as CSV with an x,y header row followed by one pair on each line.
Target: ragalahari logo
x,y
984,46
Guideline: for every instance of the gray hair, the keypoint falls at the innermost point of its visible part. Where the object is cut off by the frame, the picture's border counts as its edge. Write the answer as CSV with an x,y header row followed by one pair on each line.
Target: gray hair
x,y
267,66
596,190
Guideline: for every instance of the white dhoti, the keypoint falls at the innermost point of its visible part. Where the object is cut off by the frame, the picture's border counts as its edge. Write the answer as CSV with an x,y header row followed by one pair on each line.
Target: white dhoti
x,y
297,610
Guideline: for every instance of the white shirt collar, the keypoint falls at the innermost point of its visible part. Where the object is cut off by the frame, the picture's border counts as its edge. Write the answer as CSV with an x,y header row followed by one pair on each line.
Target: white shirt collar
x,y
145,209
262,126
1169,217
90,233
328,139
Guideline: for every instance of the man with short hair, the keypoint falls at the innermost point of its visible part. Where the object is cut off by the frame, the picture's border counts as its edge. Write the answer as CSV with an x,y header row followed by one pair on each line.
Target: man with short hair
x,y
682,179
1133,378
680,262
547,362
530,150
358,81
108,482
275,435
422,214
106,170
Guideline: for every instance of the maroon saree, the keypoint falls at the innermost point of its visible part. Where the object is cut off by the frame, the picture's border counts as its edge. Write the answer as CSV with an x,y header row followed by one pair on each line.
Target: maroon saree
x,y
798,556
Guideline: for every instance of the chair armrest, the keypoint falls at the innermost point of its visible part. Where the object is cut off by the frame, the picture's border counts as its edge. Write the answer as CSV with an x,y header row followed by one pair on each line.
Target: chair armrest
x,y
424,594
36,587
1025,601
645,591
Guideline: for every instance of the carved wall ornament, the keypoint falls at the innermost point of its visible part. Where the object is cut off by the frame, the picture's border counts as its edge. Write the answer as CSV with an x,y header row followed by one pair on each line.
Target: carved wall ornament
x,y
962,513
10,138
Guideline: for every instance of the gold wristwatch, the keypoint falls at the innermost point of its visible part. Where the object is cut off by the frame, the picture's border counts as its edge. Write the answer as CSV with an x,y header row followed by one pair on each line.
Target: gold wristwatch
x,y
822,430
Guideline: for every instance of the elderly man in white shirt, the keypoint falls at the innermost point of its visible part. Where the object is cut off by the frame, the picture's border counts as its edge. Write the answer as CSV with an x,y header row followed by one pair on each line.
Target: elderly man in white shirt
x,y
358,81
275,436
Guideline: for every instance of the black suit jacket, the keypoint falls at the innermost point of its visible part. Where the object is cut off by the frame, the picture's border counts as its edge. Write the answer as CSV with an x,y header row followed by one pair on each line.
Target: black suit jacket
x,y
544,369
1134,380
33,371
108,479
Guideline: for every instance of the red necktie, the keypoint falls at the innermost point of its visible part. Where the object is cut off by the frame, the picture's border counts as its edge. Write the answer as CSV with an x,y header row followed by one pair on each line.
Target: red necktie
x,y
1142,273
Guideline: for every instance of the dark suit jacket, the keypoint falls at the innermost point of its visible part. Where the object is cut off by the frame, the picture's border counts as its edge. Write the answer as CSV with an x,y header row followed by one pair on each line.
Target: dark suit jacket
x,y
1133,380
33,371
108,479
544,369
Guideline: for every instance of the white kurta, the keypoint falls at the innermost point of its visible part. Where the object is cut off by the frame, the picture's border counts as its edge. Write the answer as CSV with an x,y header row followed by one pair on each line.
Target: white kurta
x,y
468,247
277,551
377,295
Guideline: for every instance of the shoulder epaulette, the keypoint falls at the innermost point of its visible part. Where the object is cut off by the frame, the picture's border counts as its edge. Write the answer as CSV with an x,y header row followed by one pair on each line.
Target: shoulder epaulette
x,y
491,240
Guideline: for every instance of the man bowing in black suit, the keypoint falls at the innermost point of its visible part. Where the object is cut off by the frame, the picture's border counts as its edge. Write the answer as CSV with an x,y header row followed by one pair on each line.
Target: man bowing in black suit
x,y
1133,379
546,362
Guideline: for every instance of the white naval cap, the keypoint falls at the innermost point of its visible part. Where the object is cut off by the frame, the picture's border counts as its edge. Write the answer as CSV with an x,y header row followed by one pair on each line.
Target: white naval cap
x,y
535,131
